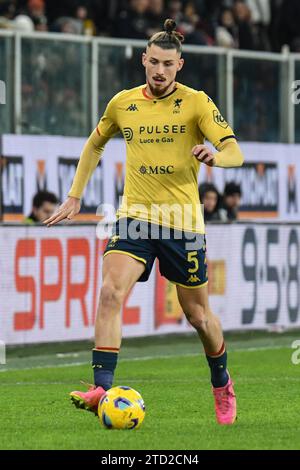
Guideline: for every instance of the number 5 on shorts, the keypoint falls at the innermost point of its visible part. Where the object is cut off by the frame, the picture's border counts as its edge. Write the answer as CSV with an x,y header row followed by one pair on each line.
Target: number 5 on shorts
x,y
192,258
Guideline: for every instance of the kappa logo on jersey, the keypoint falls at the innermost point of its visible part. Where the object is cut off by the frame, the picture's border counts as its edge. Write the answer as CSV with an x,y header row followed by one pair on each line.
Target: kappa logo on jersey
x,y
113,240
193,278
218,118
177,105
128,133
132,107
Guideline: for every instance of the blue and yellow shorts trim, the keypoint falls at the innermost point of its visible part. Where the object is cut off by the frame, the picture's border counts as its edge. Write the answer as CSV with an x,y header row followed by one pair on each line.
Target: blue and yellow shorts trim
x,y
181,255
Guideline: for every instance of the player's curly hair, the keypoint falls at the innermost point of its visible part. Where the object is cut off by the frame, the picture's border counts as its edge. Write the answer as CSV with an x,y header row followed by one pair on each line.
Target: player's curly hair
x,y
169,38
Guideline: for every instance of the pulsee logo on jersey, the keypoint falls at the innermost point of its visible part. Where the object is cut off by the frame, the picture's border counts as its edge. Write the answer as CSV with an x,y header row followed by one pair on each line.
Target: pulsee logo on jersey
x,y
155,134
164,129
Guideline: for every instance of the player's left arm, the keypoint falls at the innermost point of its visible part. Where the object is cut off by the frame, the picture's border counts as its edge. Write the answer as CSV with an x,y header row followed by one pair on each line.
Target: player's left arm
x,y
215,129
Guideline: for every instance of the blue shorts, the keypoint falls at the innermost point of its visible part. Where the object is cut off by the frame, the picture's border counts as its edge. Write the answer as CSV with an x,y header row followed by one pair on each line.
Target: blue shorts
x,y
181,255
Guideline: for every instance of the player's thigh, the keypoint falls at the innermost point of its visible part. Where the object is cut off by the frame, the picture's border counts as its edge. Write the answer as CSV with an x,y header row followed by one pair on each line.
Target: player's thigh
x,y
121,271
193,299
182,259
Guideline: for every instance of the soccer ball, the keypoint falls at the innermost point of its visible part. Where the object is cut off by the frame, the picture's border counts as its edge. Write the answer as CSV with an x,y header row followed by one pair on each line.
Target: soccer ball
x,y
121,408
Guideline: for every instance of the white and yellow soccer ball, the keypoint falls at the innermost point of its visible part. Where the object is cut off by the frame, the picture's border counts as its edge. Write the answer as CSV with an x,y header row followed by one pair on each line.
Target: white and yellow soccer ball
x,y
121,408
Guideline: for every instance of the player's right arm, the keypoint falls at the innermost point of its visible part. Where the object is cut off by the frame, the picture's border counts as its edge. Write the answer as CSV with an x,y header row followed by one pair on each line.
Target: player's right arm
x,y
88,162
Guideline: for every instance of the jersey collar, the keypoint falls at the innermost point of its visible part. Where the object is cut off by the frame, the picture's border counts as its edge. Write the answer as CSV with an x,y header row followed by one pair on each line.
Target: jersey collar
x,y
161,98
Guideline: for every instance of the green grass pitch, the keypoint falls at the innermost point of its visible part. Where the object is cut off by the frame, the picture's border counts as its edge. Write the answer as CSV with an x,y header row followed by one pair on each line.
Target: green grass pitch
x,y
174,382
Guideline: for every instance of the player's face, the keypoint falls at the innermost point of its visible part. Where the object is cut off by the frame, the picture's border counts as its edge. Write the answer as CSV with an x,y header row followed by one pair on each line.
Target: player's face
x,y
161,67
46,210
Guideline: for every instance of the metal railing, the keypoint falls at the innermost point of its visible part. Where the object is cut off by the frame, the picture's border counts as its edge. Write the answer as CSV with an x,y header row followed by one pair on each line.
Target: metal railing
x,y
60,84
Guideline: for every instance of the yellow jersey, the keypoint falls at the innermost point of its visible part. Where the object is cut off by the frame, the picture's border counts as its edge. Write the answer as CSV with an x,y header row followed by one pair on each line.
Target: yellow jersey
x,y
161,180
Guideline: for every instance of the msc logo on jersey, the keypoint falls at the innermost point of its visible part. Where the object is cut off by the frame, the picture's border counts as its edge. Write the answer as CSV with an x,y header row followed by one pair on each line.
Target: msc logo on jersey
x,y
128,133
177,105
132,107
218,118
156,170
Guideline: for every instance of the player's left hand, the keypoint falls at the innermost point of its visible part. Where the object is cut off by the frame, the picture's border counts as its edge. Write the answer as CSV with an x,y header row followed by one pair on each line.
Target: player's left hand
x,y
204,155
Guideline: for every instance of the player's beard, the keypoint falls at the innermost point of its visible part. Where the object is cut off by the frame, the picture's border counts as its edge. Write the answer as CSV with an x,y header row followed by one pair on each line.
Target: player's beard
x,y
156,91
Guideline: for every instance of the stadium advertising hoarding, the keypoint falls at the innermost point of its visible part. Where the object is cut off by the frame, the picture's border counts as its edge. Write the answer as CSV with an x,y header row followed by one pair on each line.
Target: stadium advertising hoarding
x,y
260,188
12,186
270,177
52,279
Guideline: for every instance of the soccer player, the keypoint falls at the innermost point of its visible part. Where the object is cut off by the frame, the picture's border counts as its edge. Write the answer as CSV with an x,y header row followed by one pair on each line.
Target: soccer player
x,y
164,124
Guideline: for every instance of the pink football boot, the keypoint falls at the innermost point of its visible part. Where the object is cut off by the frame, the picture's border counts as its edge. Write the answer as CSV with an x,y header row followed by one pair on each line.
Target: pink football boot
x,y
225,403
88,400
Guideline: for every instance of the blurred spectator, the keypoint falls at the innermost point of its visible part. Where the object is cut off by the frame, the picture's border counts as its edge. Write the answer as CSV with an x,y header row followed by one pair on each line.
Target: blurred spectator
x,y
67,25
232,199
44,204
41,24
195,31
64,8
156,12
23,23
274,29
210,198
188,22
7,9
211,10
289,23
243,24
133,22
261,18
7,13
227,30
88,25
174,10
242,16
36,8
32,16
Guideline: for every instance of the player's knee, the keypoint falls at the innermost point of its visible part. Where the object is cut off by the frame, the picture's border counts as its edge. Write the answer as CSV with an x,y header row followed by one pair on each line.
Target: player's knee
x,y
111,296
198,317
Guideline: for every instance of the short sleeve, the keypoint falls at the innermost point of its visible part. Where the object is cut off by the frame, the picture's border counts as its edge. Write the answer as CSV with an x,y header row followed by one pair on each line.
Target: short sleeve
x,y
108,123
211,122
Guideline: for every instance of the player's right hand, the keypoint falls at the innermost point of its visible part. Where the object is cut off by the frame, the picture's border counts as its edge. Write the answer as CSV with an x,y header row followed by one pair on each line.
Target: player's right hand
x,y
67,210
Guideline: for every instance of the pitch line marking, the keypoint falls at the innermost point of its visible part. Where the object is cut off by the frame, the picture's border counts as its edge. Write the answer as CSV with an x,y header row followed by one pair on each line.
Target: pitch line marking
x,y
144,358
